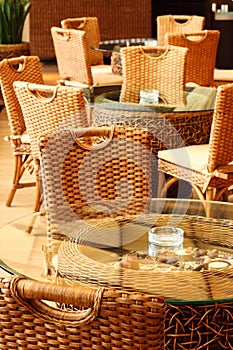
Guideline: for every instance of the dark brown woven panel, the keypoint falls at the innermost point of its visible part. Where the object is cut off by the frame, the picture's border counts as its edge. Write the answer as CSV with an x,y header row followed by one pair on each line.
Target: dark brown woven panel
x,y
117,19
207,326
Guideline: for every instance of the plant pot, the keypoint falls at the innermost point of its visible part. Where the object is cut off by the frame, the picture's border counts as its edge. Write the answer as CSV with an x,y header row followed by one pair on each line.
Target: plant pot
x,y
14,50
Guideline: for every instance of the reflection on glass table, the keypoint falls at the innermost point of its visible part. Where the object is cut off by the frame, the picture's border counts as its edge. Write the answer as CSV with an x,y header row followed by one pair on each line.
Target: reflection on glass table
x,y
195,278
116,44
194,98
116,252
111,49
171,126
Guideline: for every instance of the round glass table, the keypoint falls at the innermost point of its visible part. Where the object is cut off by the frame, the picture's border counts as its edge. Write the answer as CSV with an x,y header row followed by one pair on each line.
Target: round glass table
x,y
195,278
172,125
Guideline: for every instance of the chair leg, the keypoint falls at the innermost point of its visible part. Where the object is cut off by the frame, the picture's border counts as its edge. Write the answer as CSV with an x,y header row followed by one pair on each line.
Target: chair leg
x,y
37,201
20,166
162,189
37,204
161,184
210,194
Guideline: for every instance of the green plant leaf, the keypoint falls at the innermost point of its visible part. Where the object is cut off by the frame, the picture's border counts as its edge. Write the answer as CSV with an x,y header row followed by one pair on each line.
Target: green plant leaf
x,y
13,14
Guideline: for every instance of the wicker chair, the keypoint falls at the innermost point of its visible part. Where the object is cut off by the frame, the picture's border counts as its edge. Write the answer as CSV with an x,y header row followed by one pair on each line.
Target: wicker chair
x,y
149,68
177,24
208,168
202,53
104,319
24,68
74,61
109,180
90,25
46,108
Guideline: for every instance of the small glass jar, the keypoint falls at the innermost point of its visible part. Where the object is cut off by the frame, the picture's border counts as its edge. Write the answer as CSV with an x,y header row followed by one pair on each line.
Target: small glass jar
x,y
164,239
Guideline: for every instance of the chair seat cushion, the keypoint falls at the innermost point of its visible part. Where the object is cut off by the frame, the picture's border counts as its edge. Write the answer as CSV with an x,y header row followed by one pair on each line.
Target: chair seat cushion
x,y
102,75
193,157
25,138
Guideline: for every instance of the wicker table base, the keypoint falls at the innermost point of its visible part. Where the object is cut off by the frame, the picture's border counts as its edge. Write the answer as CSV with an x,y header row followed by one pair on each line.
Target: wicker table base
x,y
207,326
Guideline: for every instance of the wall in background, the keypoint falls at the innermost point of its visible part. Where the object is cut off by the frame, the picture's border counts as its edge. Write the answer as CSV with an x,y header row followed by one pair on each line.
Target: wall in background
x,y
117,19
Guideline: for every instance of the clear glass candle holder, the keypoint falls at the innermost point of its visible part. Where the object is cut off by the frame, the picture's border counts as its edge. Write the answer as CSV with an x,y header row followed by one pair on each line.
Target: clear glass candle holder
x,y
164,239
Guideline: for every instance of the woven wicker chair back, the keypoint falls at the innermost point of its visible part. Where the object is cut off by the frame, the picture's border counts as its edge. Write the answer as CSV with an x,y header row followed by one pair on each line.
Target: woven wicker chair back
x,y
221,144
47,108
211,174
91,27
24,68
106,319
178,24
96,172
148,68
202,53
72,53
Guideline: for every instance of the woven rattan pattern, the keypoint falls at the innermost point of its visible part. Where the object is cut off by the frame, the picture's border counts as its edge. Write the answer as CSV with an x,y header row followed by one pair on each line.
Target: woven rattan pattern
x,y
71,50
30,71
120,20
109,319
24,68
207,326
178,24
14,50
91,27
117,177
48,108
75,262
220,148
169,129
203,325
155,67
201,58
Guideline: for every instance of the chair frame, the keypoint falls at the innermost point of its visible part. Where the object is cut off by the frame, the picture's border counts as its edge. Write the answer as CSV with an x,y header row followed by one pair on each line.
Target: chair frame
x,y
149,68
45,109
24,68
178,24
90,25
202,51
213,182
74,62
108,180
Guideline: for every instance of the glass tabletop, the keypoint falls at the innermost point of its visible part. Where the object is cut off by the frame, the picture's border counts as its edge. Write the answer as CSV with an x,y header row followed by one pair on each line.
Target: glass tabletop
x,y
116,251
116,44
192,99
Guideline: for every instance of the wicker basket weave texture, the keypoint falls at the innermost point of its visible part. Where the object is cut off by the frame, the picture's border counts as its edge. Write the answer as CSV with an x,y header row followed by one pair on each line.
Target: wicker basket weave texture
x,y
104,319
193,128
120,20
74,60
49,108
149,68
91,27
23,68
14,50
78,262
201,56
178,24
116,176
72,53
29,70
220,149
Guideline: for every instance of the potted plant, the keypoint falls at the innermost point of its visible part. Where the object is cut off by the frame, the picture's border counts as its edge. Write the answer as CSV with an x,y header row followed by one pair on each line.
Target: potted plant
x,y
13,14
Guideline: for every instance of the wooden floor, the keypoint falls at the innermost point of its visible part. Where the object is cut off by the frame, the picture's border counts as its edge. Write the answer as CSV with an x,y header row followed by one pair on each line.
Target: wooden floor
x,y
24,198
